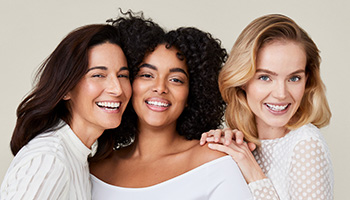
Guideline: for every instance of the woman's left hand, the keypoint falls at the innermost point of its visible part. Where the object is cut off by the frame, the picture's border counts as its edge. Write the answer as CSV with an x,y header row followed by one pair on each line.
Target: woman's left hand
x,y
227,135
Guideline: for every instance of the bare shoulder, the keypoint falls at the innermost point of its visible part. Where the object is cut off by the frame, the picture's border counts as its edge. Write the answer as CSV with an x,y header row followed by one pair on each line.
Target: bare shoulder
x,y
98,168
202,154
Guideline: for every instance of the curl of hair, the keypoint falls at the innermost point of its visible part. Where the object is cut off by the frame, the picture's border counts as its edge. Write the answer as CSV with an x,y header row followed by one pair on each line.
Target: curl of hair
x,y
138,36
43,108
204,58
241,66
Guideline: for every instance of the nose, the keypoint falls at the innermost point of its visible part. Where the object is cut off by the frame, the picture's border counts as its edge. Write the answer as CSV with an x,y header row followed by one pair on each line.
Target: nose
x,y
114,87
160,86
280,90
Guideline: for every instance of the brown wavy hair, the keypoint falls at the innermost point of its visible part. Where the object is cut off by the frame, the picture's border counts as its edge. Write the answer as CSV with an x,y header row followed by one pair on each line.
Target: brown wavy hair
x,y
44,107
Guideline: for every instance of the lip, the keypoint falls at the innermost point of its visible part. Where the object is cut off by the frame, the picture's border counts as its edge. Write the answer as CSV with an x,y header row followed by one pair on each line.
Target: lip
x,y
109,106
157,104
277,108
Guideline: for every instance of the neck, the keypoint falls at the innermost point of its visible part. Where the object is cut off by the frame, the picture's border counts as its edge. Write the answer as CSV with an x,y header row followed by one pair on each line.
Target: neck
x,y
153,142
267,132
87,135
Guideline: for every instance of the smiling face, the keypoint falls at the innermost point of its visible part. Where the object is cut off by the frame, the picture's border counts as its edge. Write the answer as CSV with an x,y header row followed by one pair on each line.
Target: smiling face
x,y
276,90
98,101
160,88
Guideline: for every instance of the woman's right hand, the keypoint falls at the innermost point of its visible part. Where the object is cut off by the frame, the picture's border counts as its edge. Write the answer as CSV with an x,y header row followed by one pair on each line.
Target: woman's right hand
x,y
231,142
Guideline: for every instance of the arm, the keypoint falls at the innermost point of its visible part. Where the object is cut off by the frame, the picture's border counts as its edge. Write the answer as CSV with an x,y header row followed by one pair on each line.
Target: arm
x,y
39,177
261,187
311,171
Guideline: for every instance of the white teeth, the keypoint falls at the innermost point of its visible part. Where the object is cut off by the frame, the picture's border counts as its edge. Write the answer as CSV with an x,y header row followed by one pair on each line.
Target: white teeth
x,y
157,103
110,105
276,107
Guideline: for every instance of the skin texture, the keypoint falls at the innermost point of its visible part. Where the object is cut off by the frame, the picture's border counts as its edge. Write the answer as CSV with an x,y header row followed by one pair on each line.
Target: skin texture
x,y
279,81
162,79
159,153
107,81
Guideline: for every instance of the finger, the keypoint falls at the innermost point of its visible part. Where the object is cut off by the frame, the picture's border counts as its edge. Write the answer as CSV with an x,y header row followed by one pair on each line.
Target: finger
x,y
251,146
210,139
217,134
203,138
238,136
222,148
228,134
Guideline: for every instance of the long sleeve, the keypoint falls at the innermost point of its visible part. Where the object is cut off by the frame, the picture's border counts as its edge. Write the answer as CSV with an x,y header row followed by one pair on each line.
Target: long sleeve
x,y
311,172
263,189
38,177
298,167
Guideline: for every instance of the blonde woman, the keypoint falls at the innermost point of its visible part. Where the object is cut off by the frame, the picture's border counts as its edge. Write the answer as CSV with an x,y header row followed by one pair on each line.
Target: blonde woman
x,y
275,96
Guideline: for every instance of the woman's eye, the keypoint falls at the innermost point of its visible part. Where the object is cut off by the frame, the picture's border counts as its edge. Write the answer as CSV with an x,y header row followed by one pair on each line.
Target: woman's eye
x,y
176,80
264,78
98,75
146,75
295,78
123,76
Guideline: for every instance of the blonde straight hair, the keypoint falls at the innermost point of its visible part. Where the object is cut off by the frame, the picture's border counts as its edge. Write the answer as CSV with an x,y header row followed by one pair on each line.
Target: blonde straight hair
x,y
241,67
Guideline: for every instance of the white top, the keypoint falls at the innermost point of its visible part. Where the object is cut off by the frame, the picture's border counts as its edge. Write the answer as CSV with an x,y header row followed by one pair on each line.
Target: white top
x,y
298,166
219,179
52,166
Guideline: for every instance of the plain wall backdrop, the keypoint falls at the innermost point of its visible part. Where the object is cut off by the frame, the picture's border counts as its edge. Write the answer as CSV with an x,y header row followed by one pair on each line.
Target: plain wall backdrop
x,y
30,30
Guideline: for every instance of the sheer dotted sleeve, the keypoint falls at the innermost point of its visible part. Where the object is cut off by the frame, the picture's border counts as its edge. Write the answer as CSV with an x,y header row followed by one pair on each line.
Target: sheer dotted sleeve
x,y
311,173
263,189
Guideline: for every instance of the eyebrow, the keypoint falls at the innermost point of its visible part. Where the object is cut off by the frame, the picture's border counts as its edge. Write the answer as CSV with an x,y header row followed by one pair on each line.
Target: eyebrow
x,y
105,68
275,74
171,70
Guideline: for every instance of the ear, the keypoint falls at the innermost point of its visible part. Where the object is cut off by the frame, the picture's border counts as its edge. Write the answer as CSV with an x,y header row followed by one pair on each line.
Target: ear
x,y
67,96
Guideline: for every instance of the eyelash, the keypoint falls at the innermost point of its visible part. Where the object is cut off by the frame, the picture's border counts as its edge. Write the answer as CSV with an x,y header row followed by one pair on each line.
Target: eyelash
x,y
176,80
98,76
146,75
102,76
262,77
298,77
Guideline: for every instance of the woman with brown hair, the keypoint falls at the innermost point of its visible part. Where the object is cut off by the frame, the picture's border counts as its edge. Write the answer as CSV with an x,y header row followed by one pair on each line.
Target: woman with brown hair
x,y
82,89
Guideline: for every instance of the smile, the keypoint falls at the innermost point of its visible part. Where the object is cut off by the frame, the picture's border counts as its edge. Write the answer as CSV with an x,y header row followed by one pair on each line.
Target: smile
x,y
277,108
157,103
109,105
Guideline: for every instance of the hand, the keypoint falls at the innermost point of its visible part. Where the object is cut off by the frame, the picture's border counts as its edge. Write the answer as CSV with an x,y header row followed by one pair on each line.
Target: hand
x,y
244,158
229,135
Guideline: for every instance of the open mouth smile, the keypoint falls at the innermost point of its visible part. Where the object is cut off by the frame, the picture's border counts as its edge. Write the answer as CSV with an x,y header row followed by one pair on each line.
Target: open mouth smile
x,y
157,103
277,108
109,105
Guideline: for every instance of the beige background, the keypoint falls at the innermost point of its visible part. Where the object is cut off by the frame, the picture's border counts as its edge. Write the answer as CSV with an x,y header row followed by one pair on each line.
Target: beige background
x,y
30,30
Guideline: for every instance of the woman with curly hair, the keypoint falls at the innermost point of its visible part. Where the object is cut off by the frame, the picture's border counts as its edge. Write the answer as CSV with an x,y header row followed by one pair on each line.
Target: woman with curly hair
x,y
275,96
175,99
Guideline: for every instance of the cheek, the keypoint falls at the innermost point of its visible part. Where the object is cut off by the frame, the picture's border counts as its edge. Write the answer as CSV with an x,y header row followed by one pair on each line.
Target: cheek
x,y
255,93
126,87
182,94
137,90
298,93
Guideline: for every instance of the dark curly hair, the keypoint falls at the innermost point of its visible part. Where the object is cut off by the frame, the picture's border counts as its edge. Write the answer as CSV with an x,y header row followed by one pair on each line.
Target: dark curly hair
x,y
204,58
138,36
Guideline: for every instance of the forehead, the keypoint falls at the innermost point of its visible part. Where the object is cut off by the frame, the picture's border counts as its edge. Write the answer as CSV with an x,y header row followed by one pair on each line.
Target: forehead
x,y
163,57
106,54
281,54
